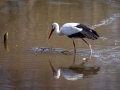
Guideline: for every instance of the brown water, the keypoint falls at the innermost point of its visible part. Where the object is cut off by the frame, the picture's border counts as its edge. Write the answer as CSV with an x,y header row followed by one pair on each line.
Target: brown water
x,y
29,61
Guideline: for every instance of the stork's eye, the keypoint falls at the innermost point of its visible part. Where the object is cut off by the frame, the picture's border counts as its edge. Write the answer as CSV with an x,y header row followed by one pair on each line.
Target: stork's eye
x,y
52,26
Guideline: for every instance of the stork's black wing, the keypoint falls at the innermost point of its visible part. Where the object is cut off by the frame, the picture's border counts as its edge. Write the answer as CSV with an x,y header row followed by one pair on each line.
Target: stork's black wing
x,y
86,32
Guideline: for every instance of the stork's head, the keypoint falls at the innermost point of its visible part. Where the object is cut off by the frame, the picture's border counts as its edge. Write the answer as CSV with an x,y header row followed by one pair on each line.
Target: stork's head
x,y
54,26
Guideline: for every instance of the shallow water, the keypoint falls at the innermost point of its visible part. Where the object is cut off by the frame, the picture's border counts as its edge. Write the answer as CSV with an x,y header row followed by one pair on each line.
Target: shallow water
x,y
30,61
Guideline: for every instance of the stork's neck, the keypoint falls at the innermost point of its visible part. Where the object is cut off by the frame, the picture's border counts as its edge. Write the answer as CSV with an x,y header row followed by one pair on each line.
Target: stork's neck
x,y
57,30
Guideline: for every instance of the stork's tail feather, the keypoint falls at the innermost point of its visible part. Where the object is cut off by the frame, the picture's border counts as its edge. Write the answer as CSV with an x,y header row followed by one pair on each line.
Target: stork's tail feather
x,y
95,35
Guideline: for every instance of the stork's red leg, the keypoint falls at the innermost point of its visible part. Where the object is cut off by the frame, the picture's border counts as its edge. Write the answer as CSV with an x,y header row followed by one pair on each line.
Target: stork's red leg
x,y
74,46
87,44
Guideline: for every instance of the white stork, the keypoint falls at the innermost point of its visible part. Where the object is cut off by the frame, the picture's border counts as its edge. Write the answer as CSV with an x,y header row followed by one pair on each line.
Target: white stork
x,y
75,30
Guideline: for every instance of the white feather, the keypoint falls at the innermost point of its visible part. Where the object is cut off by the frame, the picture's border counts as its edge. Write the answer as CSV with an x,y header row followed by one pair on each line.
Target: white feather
x,y
69,28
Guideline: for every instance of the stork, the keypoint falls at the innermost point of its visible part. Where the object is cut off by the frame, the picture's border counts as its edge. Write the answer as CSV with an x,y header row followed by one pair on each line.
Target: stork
x,y
75,30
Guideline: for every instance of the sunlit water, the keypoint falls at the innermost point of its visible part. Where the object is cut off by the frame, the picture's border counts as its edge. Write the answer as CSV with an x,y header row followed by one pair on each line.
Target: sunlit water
x,y
29,61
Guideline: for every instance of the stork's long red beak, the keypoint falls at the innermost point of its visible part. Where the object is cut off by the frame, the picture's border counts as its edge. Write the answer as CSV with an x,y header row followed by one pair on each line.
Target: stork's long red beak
x,y
50,33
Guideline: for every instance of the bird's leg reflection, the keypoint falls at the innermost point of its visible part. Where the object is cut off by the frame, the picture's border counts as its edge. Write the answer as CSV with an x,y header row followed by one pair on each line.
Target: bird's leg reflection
x,y
52,66
85,59
82,64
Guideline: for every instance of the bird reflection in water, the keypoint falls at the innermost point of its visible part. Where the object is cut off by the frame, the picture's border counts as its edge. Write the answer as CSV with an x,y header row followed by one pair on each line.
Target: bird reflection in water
x,y
74,72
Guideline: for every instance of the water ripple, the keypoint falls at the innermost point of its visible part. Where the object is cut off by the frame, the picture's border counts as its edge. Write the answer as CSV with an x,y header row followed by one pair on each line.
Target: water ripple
x,y
51,50
105,53
107,21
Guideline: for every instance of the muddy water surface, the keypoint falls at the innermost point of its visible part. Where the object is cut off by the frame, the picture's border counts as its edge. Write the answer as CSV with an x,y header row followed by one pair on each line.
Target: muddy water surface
x,y
29,61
